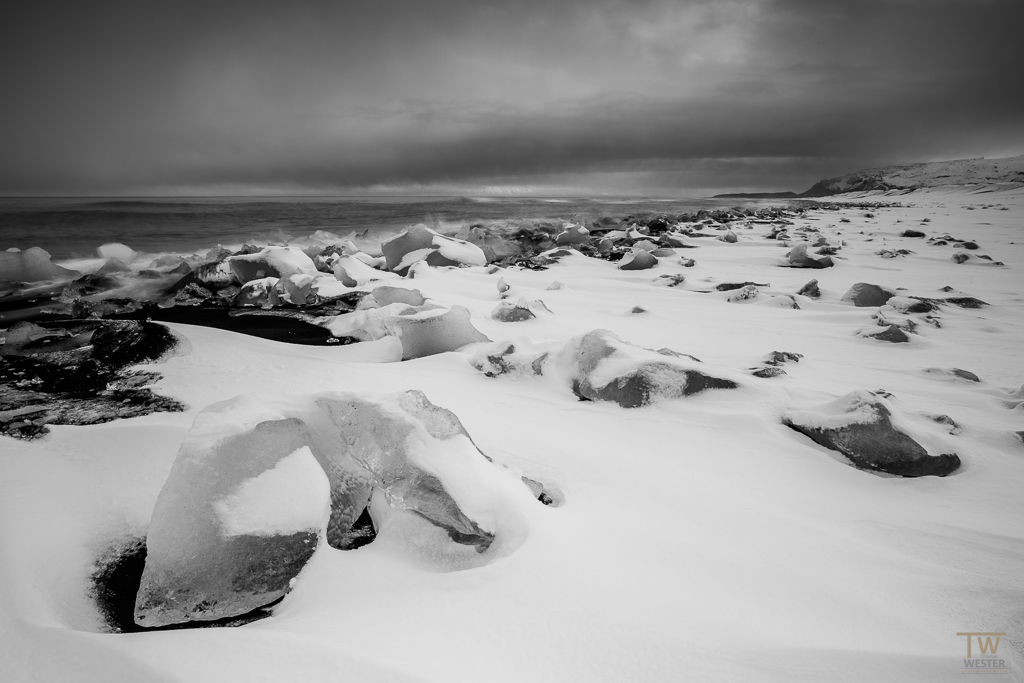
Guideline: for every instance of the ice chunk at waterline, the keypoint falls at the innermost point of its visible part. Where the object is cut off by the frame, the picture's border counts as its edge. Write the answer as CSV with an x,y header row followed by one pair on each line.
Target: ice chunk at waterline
x,y
31,265
272,262
234,524
406,442
421,243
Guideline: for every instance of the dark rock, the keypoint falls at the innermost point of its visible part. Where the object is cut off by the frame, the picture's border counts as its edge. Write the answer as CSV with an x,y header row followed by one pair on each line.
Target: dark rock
x,y
892,333
912,233
257,323
768,372
810,290
870,440
949,422
91,284
966,374
75,373
748,293
863,294
780,357
729,286
921,306
965,302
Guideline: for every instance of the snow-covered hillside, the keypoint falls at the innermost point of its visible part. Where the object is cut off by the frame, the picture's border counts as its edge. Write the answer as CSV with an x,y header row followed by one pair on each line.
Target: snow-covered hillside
x,y
991,174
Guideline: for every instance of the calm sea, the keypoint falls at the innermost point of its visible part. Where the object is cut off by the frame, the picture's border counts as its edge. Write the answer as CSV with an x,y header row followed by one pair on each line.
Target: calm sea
x,y
70,227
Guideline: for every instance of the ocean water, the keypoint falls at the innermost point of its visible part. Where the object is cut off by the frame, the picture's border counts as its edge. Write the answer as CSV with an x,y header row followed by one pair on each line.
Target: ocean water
x,y
74,227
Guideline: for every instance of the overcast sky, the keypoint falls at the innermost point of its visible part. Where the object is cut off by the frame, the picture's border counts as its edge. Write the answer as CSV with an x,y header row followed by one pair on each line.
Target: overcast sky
x,y
479,96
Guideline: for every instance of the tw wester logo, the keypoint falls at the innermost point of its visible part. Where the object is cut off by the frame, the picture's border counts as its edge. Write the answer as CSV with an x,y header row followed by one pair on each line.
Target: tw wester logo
x,y
990,662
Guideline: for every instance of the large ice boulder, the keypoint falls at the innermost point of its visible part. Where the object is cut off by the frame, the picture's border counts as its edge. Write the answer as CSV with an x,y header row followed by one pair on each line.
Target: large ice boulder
x,y
31,265
422,330
412,448
428,332
122,252
494,245
603,367
354,272
866,428
272,262
420,243
386,295
572,235
238,518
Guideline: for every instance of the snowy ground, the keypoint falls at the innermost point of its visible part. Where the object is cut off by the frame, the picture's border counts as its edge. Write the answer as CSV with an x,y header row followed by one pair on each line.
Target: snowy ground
x,y
700,538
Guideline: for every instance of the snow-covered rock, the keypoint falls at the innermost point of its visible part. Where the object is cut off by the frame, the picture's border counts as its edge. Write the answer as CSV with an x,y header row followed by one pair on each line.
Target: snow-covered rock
x,y
508,312
602,367
799,258
865,427
638,259
864,294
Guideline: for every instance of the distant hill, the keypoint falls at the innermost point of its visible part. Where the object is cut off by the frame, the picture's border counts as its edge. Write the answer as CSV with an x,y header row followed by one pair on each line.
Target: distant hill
x,y
995,174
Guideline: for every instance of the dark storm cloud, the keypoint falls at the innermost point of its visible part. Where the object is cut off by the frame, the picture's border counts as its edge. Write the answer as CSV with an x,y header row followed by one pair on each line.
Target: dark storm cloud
x,y
135,97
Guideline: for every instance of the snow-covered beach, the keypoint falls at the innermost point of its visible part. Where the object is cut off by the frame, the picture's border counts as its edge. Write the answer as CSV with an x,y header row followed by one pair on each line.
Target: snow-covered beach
x,y
697,537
